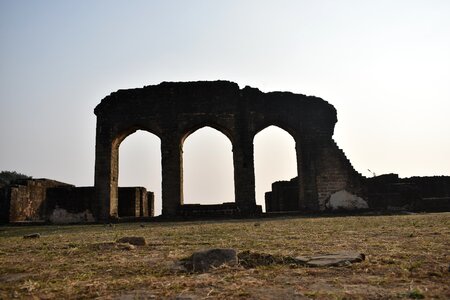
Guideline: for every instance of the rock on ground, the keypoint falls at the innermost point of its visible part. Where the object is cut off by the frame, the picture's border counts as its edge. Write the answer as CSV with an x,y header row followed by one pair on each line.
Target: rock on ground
x,y
32,236
112,246
333,259
345,200
249,259
133,240
125,246
203,261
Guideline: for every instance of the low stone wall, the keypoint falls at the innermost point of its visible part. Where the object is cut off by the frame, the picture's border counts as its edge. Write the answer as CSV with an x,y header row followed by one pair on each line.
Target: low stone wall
x,y
133,202
4,205
385,192
431,186
434,204
70,205
430,193
26,198
208,210
57,202
151,204
283,197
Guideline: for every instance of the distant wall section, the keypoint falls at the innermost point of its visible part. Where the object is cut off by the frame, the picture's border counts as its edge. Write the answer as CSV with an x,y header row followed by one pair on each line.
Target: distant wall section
x,y
44,200
384,192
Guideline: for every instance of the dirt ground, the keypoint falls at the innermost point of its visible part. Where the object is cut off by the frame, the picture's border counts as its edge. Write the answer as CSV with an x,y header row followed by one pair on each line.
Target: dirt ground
x,y
407,256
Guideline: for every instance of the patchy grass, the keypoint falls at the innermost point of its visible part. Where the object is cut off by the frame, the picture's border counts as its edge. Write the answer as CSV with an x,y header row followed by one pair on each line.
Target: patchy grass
x,y
406,257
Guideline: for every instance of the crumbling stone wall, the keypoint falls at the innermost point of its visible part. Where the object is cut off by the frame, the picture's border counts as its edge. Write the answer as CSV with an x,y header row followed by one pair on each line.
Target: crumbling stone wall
x,y
57,202
133,202
384,192
431,186
429,193
227,209
4,204
150,205
173,111
335,173
131,207
26,198
70,204
283,197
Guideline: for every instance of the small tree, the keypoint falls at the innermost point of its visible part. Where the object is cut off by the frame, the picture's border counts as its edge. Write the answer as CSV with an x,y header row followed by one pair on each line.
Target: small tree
x,y
6,177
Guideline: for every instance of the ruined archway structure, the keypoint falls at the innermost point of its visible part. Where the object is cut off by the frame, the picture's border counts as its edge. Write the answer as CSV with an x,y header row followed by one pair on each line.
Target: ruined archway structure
x,y
172,111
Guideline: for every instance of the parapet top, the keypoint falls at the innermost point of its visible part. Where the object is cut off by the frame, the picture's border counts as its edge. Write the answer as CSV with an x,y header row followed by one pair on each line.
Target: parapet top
x,y
222,88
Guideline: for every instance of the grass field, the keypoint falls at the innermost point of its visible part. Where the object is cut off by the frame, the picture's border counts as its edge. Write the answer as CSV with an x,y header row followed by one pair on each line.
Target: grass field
x,y
407,256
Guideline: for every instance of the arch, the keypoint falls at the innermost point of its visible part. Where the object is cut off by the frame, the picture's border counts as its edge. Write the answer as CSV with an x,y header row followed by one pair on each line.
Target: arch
x,y
280,124
122,134
141,169
193,128
211,182
275,159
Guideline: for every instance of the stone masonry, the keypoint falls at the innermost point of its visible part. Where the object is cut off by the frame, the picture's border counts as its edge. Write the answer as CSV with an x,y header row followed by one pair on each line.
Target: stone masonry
x,y
173,111
381,193
25,199
45,200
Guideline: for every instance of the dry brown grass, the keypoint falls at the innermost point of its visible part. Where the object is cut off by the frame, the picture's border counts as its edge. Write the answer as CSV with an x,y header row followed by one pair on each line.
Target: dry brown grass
x,y
406,257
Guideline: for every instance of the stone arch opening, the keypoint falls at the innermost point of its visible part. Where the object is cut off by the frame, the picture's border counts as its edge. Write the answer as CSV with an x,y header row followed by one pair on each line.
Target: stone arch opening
x,y
208,125
275,160
138,167
212,181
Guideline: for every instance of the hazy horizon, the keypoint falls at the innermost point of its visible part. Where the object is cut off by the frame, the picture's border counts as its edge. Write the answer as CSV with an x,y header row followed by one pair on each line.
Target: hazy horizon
x,y
383,65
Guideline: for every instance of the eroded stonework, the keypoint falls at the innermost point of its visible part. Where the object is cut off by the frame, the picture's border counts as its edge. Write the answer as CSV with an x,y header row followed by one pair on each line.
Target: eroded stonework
x,y
45,200
173,111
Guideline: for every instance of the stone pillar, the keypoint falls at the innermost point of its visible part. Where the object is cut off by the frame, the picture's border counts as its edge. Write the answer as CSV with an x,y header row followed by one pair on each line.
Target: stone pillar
x,y
306,156
151,204
106,175
143,198
172,172
244,176
300,175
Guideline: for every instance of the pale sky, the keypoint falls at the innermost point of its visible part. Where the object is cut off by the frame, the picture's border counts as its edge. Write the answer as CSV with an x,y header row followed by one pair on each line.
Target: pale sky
x,y
384,65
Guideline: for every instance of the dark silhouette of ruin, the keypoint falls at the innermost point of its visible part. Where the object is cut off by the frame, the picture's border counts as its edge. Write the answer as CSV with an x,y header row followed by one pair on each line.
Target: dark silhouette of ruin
x,y
173,111
326,180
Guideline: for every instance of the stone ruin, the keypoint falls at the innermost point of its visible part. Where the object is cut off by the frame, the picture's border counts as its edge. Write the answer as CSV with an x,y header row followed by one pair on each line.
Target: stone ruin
x,y
45,200
382,193
172,111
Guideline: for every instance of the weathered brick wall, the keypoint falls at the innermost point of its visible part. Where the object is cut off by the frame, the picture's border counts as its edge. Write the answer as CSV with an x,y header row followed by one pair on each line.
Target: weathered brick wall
x,y
4,204
384,192
132,201
432,186
334,173
431,193
283,197
49,200
27,198
74,200
208,210
271,203
150,204
21,206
